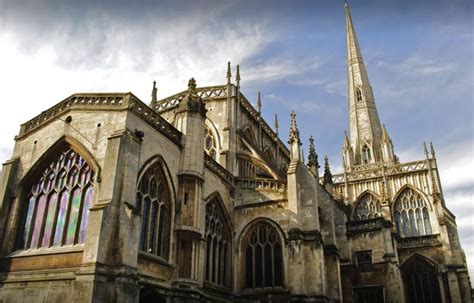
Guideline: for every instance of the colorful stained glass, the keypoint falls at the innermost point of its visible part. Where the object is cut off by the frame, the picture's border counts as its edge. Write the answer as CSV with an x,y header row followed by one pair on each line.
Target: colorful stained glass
x,y
61,219
38,221
50,201
73,216
48,228
85,213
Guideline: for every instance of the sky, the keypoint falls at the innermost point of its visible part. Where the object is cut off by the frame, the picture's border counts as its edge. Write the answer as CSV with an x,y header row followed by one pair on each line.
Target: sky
x,y
419,57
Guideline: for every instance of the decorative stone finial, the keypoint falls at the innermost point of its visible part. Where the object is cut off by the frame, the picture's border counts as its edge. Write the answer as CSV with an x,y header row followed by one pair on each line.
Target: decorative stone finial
x,y
192,102
259,104
192,86
425,149
276,124
154,93
312,157
294,132
229,75
237,76
327,179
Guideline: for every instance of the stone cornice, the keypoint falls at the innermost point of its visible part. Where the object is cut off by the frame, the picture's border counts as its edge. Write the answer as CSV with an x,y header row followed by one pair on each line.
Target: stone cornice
x,y
102,101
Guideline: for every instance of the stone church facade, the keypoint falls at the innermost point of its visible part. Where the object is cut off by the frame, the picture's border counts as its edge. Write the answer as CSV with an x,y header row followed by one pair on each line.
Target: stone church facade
x,y
194,198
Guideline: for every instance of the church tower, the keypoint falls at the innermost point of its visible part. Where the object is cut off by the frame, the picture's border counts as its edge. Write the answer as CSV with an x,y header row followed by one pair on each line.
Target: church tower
x,y
367,135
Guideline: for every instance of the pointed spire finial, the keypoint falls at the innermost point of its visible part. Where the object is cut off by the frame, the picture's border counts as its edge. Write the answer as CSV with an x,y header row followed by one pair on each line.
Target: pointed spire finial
x,y
425,149
259,103
313,156
154,93
346,144
346,4
327,179
276,124
433,154
385,137
237,76
229,74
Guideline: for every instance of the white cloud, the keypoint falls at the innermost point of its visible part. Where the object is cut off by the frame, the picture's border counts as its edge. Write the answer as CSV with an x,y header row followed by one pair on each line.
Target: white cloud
x,y
278,68
105,54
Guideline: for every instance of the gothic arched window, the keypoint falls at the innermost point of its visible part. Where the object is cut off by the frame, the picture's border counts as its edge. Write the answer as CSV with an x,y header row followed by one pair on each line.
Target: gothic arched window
x,y
153,201
217,245
263,257
367,157
412,214
368,207
210,143
359,94
58,201
421,281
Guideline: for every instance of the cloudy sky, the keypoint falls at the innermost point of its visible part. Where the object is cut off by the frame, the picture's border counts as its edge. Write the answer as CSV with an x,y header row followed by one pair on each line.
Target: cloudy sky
x,y
419,56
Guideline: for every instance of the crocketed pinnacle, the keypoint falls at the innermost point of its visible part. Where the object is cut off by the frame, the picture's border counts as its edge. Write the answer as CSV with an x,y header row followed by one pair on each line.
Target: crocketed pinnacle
x,y
229,74
385,136
327,178
276,124
237,76
294,132
312,157
259,103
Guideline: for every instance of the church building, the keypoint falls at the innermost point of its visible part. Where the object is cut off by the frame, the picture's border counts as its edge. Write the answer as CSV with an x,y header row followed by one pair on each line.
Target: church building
x,y
195,198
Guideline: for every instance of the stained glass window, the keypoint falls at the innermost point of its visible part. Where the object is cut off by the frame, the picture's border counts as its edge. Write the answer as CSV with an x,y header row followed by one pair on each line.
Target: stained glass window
x,y
411,214
58,202
368,207
153,202
217,246
263,257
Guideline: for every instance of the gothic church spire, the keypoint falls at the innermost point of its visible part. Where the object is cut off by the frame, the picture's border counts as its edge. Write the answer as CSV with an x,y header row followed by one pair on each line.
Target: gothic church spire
x,y
365,126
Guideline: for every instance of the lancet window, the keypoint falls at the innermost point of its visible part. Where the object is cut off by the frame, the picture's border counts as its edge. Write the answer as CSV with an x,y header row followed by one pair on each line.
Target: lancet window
x,y
57,203
263,257
359,94
153,201
210,143
412,214
366,154
217,246
368,207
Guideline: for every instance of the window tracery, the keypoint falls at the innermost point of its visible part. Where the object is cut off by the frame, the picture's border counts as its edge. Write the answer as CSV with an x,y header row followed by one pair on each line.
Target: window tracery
x,y
154,205
263,257
217,245
368,207
412,215
210,143
58,203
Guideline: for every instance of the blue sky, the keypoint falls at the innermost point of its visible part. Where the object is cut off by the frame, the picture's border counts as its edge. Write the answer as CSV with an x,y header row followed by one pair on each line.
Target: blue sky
x,y
419,56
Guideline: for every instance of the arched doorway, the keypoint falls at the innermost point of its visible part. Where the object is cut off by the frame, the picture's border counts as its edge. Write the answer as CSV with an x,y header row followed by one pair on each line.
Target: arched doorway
x,y
421,281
